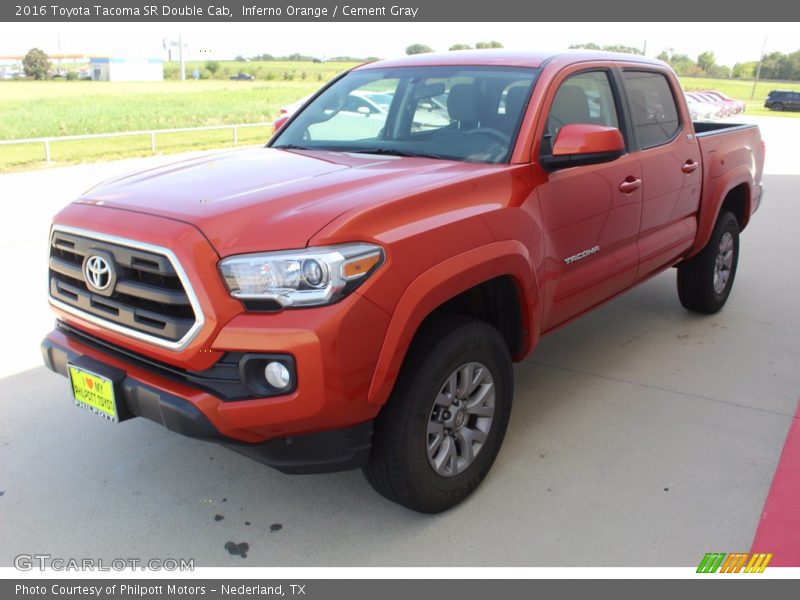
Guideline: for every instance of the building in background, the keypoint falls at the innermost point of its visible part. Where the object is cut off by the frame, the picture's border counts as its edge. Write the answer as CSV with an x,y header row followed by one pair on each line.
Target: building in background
x,y
126,69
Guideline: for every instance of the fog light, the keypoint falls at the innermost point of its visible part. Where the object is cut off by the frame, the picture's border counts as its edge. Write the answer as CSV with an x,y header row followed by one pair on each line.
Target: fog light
x,y
277,375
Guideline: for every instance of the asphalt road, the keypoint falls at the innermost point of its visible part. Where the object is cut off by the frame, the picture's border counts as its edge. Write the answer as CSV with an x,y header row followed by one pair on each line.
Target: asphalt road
x,y
642,435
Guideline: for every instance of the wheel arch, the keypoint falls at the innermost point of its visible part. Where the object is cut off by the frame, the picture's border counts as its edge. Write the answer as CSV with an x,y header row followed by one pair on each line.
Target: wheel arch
x,y
500,271
733,192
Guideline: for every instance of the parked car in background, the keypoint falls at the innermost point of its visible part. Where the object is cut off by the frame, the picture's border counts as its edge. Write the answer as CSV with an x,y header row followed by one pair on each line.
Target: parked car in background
x,y
242,77
737,106
292,108
783,100
711,110
724,108
700,111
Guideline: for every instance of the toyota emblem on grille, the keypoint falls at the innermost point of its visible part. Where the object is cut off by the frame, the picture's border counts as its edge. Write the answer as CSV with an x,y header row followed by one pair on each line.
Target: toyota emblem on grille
x,y
98,273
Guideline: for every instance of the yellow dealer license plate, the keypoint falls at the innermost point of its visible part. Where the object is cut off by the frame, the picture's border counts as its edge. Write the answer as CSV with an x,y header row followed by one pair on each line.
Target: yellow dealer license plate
x,y
93,393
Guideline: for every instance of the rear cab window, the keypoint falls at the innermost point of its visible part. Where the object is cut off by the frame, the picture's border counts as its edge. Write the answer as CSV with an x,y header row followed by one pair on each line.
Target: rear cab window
x,y
653,109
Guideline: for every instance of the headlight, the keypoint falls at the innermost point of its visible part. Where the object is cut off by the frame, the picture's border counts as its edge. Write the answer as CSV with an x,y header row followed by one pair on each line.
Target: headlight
x,y
308,277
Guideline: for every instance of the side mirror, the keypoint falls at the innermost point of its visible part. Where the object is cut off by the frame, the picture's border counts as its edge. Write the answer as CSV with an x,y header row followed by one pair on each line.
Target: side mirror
x,y
583,144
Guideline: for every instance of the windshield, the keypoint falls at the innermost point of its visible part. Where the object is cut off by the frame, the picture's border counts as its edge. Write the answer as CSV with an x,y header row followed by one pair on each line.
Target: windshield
x,y
458,113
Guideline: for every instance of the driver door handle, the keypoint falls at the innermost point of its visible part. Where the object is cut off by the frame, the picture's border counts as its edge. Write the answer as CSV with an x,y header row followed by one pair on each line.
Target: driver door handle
x,y
631,184
689,166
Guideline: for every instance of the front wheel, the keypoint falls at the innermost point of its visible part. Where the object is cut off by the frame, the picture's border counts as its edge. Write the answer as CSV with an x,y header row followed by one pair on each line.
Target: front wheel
x,y
705,280
443,426
777,106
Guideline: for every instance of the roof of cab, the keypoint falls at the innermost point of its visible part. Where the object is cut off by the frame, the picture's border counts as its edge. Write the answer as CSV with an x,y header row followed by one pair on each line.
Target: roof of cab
x,y
505,58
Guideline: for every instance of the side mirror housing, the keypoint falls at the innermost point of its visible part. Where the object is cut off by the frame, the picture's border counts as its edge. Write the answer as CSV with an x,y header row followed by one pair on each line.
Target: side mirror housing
x,y
584,144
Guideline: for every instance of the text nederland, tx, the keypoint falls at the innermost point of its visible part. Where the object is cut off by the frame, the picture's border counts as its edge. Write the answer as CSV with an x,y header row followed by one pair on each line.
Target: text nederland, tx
x,y
124,589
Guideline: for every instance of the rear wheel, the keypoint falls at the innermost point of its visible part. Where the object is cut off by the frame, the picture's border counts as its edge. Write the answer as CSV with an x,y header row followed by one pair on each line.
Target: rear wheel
x,y
705,280
443,426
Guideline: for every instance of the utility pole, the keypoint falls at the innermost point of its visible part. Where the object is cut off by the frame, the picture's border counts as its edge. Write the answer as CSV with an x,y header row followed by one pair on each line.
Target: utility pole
x,y
758,68
644,50
180,57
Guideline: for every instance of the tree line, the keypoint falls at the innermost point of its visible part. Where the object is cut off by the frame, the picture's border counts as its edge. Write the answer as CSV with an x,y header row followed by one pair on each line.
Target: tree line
x,y
775,65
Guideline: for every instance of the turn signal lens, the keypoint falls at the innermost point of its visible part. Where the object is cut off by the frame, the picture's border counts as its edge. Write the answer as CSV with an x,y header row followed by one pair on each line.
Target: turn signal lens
x,y
360,266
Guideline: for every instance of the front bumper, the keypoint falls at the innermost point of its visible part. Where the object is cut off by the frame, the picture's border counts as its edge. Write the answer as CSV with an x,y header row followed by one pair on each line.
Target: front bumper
x,y
145,394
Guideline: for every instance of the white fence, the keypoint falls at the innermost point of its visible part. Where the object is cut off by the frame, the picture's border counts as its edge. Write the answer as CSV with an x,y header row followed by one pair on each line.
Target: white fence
x,y
147,132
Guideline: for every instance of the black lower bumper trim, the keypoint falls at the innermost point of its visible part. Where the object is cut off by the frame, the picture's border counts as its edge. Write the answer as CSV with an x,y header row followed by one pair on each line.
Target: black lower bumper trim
x,y
323,452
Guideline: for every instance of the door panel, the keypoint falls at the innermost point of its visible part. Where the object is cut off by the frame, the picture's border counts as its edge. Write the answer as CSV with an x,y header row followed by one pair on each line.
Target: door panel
x,y
670,198
583,209
591,214
671,173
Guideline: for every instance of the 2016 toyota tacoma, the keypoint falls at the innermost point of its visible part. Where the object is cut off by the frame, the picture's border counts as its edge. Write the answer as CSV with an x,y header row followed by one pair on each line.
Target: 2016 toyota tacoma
x,y
355,293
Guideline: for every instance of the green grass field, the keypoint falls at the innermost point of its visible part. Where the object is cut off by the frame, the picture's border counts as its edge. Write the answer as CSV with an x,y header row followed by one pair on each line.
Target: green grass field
x,y
58,108
33,109
741,90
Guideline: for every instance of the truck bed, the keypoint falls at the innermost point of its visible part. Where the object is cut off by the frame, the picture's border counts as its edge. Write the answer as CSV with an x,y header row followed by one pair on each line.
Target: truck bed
x,y
707,128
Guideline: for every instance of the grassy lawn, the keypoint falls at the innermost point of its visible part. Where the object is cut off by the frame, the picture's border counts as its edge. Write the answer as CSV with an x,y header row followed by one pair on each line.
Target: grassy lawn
x,y
58,108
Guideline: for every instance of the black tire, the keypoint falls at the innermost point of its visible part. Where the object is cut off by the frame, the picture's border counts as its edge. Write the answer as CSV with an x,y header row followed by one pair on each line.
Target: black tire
x,y
777,106
399,467
696,276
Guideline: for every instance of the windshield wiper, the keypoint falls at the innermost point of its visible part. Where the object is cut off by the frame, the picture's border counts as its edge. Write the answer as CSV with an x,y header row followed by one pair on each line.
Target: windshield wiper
x,y
293,147
395,152
380,151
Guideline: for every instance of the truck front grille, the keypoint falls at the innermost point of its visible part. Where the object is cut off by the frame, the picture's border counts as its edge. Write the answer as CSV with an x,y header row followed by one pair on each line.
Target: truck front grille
x,y
132,288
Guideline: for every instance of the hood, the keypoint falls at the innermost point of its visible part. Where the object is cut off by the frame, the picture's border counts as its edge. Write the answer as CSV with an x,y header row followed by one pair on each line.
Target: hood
x,y
269,199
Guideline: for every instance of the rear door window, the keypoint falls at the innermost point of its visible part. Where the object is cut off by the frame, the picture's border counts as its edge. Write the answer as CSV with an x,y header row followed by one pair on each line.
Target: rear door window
x,y
653,109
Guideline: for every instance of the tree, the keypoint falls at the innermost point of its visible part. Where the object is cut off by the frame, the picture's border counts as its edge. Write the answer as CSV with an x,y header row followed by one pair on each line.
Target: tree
x,y
607,48
460,47
706,61
240,58
36,64
418,49
682,64
212,66
777,65
484,45
589,46
745,70
623,49
664,55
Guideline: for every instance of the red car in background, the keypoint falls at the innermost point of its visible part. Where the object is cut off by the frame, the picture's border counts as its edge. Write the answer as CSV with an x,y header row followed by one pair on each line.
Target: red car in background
x,y
737,106
725,109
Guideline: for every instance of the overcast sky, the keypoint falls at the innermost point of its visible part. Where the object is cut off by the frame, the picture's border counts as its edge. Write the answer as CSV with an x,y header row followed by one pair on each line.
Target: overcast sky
x,y
731,42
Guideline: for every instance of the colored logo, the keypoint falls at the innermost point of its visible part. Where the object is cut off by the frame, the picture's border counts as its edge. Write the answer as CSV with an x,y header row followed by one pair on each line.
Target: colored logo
x,y
720,562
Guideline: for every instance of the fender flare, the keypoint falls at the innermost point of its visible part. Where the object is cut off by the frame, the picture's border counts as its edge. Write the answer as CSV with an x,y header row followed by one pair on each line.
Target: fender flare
x,y
709,213
444,281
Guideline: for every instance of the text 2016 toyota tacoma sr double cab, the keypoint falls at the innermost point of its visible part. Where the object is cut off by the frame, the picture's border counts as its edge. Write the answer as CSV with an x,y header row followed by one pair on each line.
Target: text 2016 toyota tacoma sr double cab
x,y
355,293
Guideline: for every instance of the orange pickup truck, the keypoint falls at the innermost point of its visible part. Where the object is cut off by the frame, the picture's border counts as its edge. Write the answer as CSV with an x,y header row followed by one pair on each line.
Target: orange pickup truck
x,y
354,294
